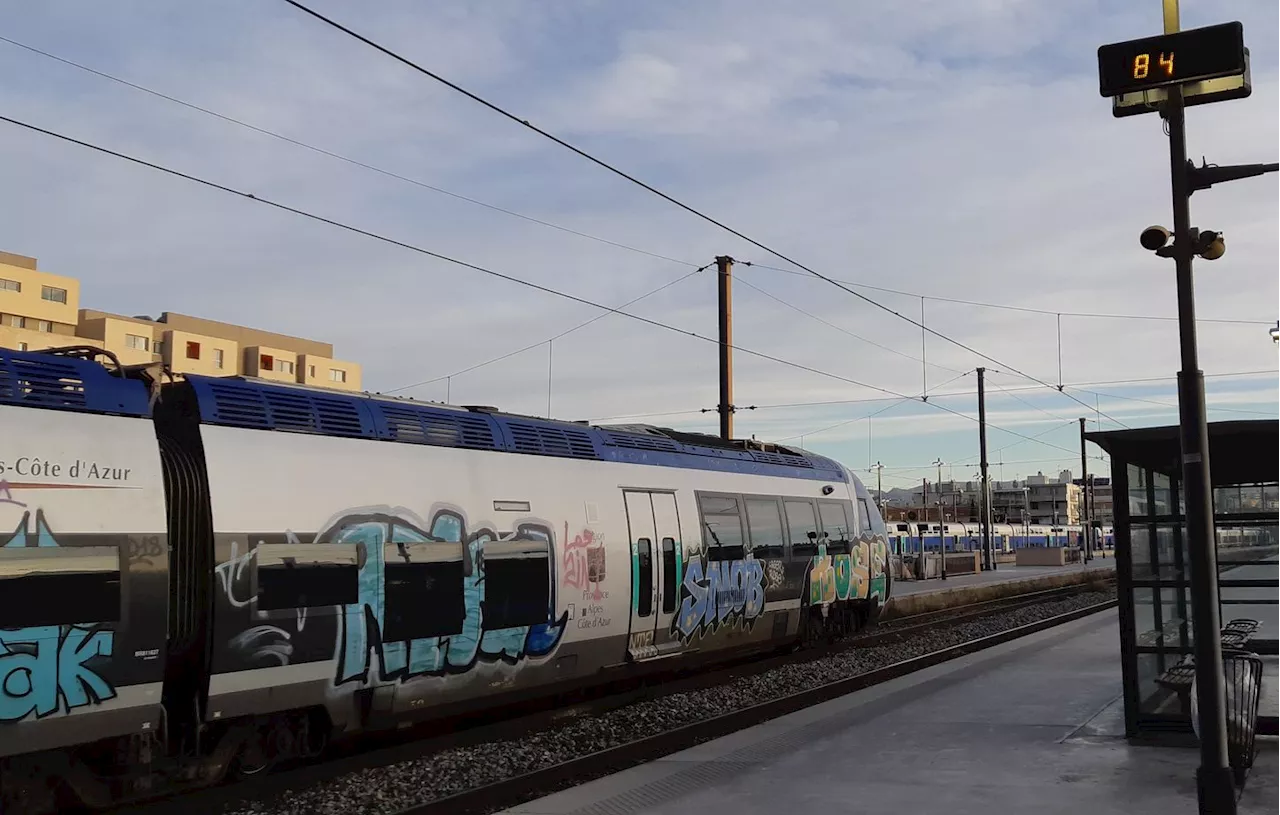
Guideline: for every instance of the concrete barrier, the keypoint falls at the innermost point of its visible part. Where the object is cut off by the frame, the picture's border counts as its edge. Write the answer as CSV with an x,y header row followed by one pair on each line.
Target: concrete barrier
x,y
964,562
907,604
1042,556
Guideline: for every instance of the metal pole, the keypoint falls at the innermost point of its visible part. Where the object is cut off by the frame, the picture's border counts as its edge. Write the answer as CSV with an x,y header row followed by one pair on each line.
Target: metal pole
x,y
942,527
1215,786
1086,550
724,266
924,367
987,556
548,379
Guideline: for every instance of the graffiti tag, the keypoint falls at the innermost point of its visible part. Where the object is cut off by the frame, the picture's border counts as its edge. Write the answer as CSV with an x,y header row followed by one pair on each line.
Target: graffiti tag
x,y
719,594
360,641
44,668
584,563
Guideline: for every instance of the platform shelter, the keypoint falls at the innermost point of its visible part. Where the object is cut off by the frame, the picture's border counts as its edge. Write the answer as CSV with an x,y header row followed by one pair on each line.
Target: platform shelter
x,y
1154,580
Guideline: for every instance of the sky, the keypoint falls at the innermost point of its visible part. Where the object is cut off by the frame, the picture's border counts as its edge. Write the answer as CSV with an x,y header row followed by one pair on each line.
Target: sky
x,y
959,151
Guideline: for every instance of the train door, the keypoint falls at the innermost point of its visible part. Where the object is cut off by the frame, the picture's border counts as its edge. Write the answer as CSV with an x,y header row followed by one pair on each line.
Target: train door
x,y
657,560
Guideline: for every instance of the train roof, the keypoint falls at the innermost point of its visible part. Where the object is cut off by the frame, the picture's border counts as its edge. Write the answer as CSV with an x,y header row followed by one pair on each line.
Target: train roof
x,y
252,403
70,379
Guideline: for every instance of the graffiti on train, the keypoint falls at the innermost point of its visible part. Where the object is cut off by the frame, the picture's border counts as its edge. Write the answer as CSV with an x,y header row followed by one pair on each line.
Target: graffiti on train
x,y
584,564
719,594
420,601
46,669
858,575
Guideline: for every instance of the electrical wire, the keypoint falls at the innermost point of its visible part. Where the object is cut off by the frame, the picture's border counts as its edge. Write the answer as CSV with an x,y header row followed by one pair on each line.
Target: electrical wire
x,y
331,154
698,213
566,332
932,396
464,264
1005,307
1175,407
841,329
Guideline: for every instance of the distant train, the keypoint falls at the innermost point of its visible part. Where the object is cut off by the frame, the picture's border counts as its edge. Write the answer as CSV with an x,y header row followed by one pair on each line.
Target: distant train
x,y
216,574
906,538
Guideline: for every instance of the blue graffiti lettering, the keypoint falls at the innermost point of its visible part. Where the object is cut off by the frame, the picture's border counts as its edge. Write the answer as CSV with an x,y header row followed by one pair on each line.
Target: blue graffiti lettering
x,y
360,640
44,668
717,594
40,666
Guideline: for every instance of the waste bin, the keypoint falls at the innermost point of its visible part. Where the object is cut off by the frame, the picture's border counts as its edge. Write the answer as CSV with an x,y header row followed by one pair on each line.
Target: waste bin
x,y
1242,672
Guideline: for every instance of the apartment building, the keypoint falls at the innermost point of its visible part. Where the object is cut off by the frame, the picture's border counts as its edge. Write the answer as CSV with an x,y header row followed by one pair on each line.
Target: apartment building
x,y
41,310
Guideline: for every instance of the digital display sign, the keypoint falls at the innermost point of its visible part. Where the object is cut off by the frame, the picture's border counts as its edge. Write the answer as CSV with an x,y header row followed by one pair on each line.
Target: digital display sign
x,y
1171,59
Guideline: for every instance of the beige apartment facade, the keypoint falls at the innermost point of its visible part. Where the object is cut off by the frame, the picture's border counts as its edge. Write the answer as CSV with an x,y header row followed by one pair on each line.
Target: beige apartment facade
x,y
41,310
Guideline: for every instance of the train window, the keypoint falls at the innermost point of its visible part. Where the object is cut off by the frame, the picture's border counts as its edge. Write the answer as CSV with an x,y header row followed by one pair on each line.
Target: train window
x,y
722,520
517,584
765,522
422,587
670,586
836,526
57,585
874,521
801,523
296,575
644,565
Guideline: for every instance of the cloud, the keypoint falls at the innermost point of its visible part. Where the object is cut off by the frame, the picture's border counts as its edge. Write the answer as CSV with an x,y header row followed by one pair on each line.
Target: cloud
x,y
956,150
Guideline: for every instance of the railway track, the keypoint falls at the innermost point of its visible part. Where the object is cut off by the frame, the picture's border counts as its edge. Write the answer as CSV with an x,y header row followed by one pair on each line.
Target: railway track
x,y
612,751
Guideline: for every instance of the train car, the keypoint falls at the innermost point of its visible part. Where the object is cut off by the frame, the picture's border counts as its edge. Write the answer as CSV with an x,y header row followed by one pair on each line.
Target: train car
x,y
216,574
83,573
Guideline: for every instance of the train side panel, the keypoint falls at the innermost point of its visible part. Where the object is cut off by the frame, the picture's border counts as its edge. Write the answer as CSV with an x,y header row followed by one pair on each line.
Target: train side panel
x,y
83,578
376,578
380,579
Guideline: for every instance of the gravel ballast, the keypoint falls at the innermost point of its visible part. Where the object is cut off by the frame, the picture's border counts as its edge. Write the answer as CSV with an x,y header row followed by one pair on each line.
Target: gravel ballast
x,y
389,789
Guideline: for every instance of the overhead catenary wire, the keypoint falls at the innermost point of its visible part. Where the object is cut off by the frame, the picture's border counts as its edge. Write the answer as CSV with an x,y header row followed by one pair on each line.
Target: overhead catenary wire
x,y
553,338
1006,307
391,174
437,255
634,180
339,156
841,329
950,394
464,264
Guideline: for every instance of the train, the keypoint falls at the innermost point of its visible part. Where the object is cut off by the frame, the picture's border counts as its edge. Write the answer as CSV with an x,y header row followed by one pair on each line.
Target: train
x,y
201,577
907,538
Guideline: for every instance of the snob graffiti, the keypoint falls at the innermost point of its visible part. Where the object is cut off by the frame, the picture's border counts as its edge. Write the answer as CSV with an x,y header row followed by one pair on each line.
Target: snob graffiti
x,y
719,594
425,598
46,669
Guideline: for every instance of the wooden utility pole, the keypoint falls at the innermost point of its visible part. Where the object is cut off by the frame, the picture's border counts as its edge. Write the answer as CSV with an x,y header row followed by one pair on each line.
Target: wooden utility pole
x,y
724,265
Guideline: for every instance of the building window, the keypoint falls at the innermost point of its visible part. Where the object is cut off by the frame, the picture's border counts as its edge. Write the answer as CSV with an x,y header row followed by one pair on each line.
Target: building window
x,y
43,325
311,371
22,346
265,361
284,366
137,342
158,348
193,350
336,375
9,285
11,320
53,294
217,358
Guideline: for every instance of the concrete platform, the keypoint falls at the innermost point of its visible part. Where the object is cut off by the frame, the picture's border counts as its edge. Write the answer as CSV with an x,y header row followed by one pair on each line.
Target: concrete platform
x,y
1032,726
1003,574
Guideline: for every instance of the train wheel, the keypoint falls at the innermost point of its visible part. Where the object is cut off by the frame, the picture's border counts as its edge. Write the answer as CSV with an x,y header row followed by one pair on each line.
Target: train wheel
x,y
255,757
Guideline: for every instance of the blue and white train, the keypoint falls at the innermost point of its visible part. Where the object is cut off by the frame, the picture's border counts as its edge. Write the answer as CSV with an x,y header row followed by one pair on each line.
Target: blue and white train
x,y
907,537
211,575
